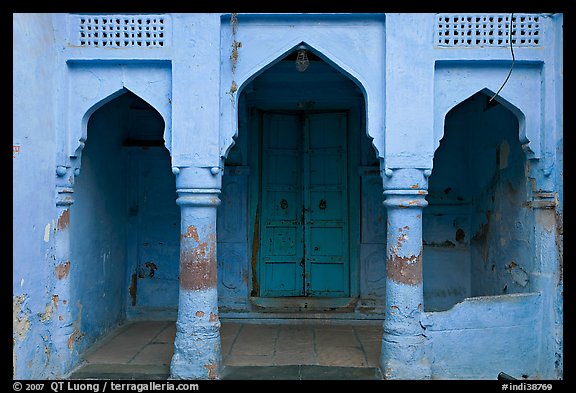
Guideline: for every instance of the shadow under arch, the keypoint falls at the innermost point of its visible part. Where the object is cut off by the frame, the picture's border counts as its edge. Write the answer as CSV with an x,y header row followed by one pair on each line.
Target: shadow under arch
x,y
477,228
124,224
322,54
491,99
106,100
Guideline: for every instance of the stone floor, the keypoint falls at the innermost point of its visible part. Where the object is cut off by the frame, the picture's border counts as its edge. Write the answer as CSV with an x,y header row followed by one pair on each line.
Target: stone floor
x,y
143,350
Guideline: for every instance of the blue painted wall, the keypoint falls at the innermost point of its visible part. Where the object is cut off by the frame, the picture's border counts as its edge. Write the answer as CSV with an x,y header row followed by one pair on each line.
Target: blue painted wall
x,y
32,176
120,228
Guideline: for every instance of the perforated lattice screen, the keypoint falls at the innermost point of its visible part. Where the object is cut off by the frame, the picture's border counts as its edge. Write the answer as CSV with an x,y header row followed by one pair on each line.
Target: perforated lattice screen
x,y
472,30
121,31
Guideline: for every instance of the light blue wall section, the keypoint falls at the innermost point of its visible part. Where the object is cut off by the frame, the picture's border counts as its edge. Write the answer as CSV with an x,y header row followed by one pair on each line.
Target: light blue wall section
x,y
33,182
481,237
483,336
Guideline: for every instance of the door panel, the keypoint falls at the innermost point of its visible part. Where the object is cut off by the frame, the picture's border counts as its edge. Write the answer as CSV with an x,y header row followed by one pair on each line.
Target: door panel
x,y
281,236
326,216
304,204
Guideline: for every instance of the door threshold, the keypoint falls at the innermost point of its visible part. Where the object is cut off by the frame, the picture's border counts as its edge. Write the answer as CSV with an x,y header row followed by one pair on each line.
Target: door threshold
x,y
304,304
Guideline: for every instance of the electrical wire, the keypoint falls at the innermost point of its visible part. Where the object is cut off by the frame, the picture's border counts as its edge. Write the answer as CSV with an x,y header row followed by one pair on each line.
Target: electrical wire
x,y
513,59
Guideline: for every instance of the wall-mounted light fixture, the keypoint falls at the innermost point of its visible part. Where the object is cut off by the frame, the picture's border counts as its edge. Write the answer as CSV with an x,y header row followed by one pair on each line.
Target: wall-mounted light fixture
x,y
302,62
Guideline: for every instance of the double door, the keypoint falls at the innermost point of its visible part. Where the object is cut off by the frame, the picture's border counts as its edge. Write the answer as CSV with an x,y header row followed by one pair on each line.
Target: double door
x,y
304,205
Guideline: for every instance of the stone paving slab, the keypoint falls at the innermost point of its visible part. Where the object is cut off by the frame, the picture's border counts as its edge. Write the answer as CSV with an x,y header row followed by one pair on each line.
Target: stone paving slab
x,y
301,372
271,351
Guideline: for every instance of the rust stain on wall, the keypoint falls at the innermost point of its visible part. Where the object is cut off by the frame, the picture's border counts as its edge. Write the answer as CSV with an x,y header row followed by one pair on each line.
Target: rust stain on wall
x,y
198,265
76,334
414,186
213,317
132,289
212,374
481,237
64,219
191,232
405,270
199,314
55,300
255,246
62,270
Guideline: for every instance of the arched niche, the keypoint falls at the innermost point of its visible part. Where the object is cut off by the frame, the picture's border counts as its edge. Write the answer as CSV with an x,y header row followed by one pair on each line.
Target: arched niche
x,y
455,81
478,226
330,38
92,84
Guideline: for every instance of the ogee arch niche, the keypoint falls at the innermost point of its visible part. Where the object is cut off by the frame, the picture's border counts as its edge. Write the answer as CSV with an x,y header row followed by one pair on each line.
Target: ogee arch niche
x,y
478,227
124,229
301,215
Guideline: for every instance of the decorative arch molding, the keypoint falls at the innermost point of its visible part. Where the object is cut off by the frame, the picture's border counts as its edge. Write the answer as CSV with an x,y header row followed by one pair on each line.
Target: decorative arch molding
x,y
329,37
93,83
456,81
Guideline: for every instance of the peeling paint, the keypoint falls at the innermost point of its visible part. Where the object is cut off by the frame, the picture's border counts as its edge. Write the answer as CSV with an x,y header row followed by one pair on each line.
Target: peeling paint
x,y
212,370
213,317
519,274
20,320
47,314
64,220
76,334
198,264
199,314
47,233
546,218
405,270
151,268
191,232
62,270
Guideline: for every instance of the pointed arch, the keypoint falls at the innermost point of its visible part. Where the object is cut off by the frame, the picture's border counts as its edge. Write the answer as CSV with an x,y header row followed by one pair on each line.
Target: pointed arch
x,y
456,81
253,61
490,96
92,84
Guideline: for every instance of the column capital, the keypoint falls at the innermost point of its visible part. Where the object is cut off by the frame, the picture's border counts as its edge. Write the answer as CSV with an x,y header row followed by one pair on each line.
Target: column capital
x,y
64,186
189,177
414,179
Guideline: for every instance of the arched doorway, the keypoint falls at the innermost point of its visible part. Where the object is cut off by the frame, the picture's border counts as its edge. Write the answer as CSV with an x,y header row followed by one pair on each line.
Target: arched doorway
x,y
301,168
124,232
478,227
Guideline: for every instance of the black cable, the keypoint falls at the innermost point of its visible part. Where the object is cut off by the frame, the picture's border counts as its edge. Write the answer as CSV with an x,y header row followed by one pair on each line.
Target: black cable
x,y
513,59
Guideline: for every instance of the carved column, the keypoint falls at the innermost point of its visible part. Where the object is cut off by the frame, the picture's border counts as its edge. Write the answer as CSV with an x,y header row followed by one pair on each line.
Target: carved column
x,y
403,353
547,278
197,344
64,334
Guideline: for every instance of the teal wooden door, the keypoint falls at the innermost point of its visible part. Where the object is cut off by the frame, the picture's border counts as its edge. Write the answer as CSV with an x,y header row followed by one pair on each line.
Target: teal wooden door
x,y
304,205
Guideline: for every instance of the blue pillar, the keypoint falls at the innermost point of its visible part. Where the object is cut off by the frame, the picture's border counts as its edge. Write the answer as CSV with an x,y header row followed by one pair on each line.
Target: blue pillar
x,y
63,328
403,353
197,344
